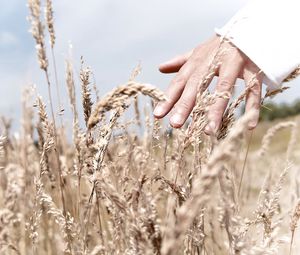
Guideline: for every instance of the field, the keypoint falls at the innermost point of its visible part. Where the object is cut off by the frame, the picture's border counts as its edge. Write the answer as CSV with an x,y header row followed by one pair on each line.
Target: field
x,y
120,183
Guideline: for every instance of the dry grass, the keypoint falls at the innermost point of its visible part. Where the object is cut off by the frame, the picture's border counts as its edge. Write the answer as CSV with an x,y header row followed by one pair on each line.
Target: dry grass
x,y
110,190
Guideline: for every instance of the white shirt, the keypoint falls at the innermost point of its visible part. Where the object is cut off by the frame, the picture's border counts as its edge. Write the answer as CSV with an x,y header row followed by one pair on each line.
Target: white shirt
x,y
268,32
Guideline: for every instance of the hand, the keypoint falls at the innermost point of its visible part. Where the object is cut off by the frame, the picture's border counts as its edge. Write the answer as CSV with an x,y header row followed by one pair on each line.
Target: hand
x,y
191,69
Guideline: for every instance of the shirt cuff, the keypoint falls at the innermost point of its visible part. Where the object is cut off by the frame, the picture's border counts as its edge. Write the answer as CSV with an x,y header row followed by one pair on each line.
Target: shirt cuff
x,y
265,31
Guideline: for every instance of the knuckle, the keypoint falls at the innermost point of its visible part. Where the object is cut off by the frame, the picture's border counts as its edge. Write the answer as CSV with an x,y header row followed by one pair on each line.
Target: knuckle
x,y
255,90
193,81
234,57
225,85
179,80
183,105
216,112
254,105
199,47
255,95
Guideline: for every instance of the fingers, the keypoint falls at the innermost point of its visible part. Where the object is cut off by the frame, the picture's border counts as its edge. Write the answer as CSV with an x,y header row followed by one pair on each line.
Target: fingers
x,y
174,90
228,74
253,98
174,65
185,104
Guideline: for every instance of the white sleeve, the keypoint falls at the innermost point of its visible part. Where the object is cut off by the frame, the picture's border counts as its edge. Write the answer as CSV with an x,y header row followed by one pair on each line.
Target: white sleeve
x,y
268,32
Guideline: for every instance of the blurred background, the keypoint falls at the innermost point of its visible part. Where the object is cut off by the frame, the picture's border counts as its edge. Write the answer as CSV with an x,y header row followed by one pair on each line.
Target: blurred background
x,y
113,36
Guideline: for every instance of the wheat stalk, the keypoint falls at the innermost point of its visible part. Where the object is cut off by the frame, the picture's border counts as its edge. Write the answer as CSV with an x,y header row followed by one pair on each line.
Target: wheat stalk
x,y
119,98
294,223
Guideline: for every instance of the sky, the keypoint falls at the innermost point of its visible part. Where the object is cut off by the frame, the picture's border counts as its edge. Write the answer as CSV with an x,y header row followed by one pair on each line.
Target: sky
x,y
113,36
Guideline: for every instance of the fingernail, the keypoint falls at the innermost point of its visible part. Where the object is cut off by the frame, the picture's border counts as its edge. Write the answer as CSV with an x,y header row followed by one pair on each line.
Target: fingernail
x,y
207,130
177,119
252,124
210,128
213,126
158,111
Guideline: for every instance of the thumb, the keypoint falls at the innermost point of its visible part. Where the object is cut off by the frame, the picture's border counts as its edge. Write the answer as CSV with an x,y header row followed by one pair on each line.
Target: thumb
x,y
173,65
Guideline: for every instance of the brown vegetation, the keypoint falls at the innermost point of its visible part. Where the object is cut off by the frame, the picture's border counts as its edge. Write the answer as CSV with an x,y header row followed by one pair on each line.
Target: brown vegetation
x,y
111,190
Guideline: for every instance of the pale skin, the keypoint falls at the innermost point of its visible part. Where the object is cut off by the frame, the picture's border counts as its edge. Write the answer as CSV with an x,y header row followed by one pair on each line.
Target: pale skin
x,y
191,68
